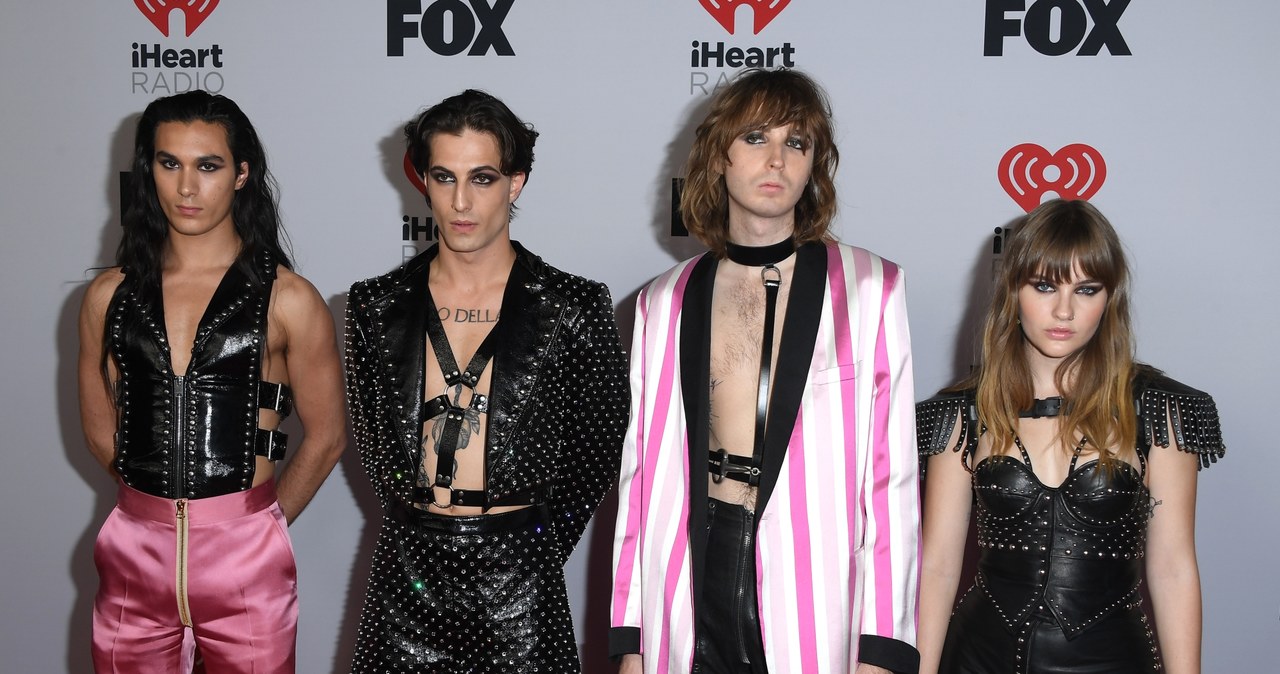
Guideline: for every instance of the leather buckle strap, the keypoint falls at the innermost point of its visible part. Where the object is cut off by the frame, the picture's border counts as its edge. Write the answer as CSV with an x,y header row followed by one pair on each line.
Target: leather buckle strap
x,y
271,444
275,397
722,464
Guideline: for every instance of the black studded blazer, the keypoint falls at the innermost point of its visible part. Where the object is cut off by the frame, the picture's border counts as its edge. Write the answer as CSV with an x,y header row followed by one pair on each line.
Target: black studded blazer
x,y
558,398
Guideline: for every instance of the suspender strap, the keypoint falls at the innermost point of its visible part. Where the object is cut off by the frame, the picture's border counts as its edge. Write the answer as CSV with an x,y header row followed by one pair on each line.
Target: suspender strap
x,y
720,462
772,279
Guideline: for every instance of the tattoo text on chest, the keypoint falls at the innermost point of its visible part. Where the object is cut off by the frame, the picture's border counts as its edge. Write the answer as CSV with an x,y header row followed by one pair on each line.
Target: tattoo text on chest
x,y
461,315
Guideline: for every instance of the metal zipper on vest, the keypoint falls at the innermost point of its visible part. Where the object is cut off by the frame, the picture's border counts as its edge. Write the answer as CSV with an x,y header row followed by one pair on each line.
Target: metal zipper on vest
x,y
179,413
180,577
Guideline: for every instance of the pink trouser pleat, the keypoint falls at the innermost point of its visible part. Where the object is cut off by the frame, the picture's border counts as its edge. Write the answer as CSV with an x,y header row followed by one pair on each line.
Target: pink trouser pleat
x,y
242,585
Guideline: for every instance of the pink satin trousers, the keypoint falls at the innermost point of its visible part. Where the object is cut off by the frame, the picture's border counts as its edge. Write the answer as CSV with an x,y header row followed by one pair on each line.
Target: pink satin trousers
x,y
220,569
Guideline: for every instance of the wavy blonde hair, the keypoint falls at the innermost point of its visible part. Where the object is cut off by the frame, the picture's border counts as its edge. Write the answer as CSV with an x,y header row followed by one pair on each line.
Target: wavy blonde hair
x,y
759,100
1096,381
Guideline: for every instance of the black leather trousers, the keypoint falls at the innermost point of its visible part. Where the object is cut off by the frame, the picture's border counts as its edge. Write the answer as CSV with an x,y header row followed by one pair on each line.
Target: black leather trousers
x,y
727,636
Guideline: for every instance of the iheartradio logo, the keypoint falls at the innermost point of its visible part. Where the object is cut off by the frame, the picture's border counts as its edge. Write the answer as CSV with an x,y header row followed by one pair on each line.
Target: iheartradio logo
x,y
158,11
1028,172
762,11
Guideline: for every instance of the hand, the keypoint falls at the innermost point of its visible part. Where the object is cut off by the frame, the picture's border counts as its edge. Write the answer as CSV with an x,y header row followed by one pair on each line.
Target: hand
x,y
631,664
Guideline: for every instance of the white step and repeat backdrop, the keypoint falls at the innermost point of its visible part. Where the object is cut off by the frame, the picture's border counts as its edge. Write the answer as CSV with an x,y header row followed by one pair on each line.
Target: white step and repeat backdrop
x,y
953,117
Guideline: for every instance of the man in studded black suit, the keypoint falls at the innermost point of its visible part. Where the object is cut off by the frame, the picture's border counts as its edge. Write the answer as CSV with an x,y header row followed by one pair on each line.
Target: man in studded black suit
x,y
489,397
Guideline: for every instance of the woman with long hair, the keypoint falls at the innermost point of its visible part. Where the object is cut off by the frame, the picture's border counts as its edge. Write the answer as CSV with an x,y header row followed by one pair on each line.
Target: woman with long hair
x,y
1080,465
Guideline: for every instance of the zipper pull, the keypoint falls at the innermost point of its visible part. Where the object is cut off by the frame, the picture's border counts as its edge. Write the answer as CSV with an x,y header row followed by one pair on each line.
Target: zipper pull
x,y
182,508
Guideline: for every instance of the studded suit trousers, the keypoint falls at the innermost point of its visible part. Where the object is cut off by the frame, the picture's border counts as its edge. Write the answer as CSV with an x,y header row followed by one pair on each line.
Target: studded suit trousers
x,y
218,568
475,595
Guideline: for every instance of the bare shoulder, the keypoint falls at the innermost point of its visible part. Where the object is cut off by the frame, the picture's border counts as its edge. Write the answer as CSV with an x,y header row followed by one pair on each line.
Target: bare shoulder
x,y
299,308
98,295
294,293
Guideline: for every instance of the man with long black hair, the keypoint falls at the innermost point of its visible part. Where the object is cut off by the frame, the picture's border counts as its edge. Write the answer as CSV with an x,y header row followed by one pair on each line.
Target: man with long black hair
x,y
192,350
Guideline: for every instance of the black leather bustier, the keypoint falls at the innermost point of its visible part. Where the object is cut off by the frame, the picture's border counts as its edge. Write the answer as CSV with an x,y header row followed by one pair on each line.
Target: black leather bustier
x,y
196,435
1072,551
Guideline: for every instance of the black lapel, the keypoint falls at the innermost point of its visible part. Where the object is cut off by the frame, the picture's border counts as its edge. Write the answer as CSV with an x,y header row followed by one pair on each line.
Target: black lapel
x,y
531,315
795,354
695,378
398,322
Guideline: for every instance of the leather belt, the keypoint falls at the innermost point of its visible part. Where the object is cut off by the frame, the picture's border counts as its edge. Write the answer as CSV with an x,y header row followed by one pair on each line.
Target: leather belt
x,y
477,498
722,464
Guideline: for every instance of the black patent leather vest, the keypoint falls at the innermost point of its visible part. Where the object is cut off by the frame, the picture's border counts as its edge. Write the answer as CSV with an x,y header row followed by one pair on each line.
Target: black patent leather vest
x,y
194,436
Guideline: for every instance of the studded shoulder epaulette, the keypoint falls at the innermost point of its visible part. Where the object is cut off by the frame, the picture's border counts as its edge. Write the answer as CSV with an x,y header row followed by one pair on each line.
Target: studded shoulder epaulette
x,y
1163,403
936,419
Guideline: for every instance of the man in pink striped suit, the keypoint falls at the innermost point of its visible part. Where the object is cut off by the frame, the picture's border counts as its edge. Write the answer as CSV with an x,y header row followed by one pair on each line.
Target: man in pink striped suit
x,y
768,505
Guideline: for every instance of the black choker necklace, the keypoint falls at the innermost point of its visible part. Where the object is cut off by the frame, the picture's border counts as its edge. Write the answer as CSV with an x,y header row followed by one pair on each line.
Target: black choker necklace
x,y
1044,407
760,256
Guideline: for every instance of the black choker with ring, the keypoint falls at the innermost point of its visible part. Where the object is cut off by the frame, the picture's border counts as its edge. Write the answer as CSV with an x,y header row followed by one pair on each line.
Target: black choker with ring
x,y
761,256
721,463
1045,407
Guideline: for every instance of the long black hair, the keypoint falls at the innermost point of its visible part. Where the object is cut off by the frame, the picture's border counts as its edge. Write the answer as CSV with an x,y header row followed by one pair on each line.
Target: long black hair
x,y
254,208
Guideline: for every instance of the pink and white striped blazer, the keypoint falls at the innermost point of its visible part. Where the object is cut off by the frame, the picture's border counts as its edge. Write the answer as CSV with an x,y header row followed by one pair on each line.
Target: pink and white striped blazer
x,y
838,543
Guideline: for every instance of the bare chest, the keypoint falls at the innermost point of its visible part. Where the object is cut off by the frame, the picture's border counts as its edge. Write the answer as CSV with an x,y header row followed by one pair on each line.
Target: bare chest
x,y
455,446
737,351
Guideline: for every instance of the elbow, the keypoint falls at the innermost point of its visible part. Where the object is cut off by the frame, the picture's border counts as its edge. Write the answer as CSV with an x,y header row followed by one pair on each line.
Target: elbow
x,y
324,450
333,449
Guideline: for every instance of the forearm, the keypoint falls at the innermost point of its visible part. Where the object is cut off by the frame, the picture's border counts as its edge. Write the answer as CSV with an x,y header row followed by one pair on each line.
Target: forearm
x,y
302,476
937,597
103,454
1175,597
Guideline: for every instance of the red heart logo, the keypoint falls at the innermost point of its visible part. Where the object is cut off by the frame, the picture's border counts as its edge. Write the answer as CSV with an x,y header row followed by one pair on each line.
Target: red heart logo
x,y
413,176
158,11
764,11
1028,171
